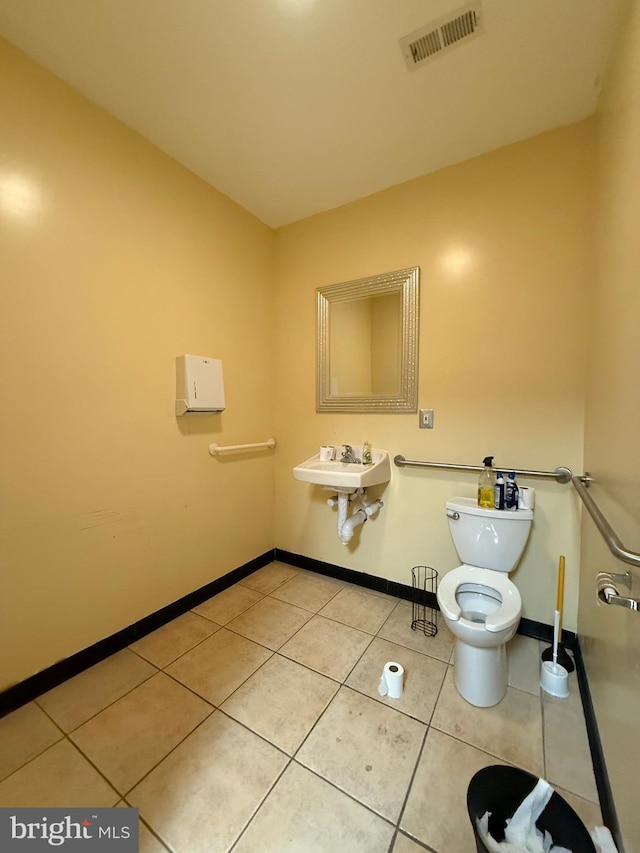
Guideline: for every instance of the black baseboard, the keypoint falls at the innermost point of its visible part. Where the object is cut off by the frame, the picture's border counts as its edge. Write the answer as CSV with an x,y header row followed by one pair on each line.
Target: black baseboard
x,y
542,631
607,806
527,627
330,570
23,692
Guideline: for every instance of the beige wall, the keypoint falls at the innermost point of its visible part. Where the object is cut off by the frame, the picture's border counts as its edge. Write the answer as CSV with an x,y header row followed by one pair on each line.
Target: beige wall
x,y
115,260
503,242
610,637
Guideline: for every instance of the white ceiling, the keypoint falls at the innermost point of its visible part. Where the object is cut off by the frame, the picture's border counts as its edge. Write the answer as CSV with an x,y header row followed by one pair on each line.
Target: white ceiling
x,y
291,107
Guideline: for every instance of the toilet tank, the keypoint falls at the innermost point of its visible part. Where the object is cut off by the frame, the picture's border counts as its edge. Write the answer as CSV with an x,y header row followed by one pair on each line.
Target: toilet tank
x,y
488,538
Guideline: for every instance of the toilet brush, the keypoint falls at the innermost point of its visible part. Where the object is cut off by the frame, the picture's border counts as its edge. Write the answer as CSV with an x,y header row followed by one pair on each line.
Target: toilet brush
x,y
562,656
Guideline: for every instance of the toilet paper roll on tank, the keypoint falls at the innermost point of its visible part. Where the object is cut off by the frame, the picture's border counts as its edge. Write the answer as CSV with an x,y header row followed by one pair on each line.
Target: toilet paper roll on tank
x,y
391,680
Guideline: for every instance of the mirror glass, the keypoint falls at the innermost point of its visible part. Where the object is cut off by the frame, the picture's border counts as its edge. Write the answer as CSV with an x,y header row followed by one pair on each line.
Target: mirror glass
x,y
368,344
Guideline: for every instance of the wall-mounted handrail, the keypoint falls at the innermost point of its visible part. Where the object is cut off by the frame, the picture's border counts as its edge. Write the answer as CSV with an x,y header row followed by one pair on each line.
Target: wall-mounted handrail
x,y
608,533
562,475
226,448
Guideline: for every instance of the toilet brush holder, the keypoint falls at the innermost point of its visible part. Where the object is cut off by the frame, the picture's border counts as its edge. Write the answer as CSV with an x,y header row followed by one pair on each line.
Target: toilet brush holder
x,y
554,679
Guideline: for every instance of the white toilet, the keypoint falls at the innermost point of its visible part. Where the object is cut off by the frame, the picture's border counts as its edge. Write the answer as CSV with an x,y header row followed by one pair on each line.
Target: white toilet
x,y
480,605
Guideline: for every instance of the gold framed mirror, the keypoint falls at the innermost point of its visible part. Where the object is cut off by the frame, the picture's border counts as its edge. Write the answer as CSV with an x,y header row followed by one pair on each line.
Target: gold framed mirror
x,y
367,344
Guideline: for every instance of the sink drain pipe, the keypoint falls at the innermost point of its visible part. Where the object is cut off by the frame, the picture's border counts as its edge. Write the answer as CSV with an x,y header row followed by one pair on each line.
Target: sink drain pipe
x,y
347,526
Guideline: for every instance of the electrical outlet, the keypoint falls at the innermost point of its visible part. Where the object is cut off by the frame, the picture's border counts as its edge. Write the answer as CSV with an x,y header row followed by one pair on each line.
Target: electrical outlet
x,y
426,419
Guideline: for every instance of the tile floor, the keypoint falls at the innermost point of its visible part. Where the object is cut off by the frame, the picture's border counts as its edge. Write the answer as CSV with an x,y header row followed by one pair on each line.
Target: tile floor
x,y
253,724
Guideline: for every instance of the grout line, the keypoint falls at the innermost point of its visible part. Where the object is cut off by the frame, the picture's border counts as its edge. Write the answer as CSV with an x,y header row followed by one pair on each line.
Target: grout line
x,y
127,791
413,776
343,792
110,703
153,832
261,803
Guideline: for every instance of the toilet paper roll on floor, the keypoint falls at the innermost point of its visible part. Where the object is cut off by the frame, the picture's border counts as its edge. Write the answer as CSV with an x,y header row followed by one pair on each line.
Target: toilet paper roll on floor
x,y
391,680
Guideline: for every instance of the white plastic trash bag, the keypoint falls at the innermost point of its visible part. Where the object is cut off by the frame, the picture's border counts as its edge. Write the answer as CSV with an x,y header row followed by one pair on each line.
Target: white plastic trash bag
x,y
601,837
521,835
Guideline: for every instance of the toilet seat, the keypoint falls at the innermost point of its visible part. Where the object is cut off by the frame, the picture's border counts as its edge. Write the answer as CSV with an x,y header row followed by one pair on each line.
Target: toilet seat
x,y
505,614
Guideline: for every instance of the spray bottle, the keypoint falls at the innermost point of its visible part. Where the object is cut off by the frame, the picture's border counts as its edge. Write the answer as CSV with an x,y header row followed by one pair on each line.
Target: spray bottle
x,y
511,492
486,484
499,492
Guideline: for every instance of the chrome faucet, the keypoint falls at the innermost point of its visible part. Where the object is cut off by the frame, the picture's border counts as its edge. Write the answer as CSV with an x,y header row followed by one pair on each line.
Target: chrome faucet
x,y
348,454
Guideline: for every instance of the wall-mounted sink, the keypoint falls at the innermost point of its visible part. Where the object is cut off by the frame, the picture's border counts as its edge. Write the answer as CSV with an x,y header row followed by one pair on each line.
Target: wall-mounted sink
x,y
345,476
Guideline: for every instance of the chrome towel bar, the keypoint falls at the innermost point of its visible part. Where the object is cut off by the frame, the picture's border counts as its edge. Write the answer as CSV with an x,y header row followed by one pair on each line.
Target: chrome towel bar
x,y
562,475
608,533
225,448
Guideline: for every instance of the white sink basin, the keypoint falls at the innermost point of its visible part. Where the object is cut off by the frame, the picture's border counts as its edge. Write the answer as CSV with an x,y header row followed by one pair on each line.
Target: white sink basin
x,y
345,476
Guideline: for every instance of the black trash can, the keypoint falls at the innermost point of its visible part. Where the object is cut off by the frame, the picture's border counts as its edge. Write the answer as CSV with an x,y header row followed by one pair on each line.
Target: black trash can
x,y
500,790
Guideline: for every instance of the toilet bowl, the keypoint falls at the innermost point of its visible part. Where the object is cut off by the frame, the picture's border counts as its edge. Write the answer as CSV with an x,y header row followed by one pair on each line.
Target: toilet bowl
x,y
482,610
480,605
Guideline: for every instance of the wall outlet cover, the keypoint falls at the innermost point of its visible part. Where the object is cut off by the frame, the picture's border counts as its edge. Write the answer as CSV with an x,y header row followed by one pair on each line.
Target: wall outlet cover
x,y
426,419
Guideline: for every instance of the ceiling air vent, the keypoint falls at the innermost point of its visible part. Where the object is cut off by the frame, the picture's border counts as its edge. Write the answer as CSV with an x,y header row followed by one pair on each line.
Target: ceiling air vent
x,y
442,35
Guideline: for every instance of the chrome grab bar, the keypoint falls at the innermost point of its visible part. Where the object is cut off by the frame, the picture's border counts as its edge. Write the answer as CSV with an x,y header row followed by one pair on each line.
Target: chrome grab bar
x,y
608,533
561,474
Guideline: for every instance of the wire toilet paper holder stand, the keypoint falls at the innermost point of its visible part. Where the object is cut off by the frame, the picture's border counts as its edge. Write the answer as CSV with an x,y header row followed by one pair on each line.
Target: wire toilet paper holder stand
x,y
424,609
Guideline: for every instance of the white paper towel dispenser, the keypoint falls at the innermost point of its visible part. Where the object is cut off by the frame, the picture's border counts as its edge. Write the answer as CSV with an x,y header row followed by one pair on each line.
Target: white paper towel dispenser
x,y
199,385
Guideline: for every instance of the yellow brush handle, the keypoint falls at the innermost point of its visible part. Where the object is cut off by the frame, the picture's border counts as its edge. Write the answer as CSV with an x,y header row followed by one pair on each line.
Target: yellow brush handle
x,y
560,603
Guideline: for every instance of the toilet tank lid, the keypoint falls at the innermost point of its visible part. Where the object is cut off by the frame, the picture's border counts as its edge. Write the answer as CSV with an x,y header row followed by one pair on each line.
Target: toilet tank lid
x,y
469,506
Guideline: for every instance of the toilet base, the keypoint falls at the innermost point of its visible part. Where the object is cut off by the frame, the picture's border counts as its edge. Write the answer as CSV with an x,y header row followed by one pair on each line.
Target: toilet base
x,y
480,674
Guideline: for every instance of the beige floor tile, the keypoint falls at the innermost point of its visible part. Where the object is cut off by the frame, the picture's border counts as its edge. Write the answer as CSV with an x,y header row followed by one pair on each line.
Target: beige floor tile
x,y
24,734
228,604
175,638
523,654
511,730
147,841
270,622
311,592
436,810
566,745
58,778
423,677
327,646
74,702
199,799
219,665
304,814
366,749
131,736
359,609
281,702
270,577
397,629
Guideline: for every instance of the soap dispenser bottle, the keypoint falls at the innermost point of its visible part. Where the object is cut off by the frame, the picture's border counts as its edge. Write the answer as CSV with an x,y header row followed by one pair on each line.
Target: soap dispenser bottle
x,y
511,492
367,458
486,484
499,492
